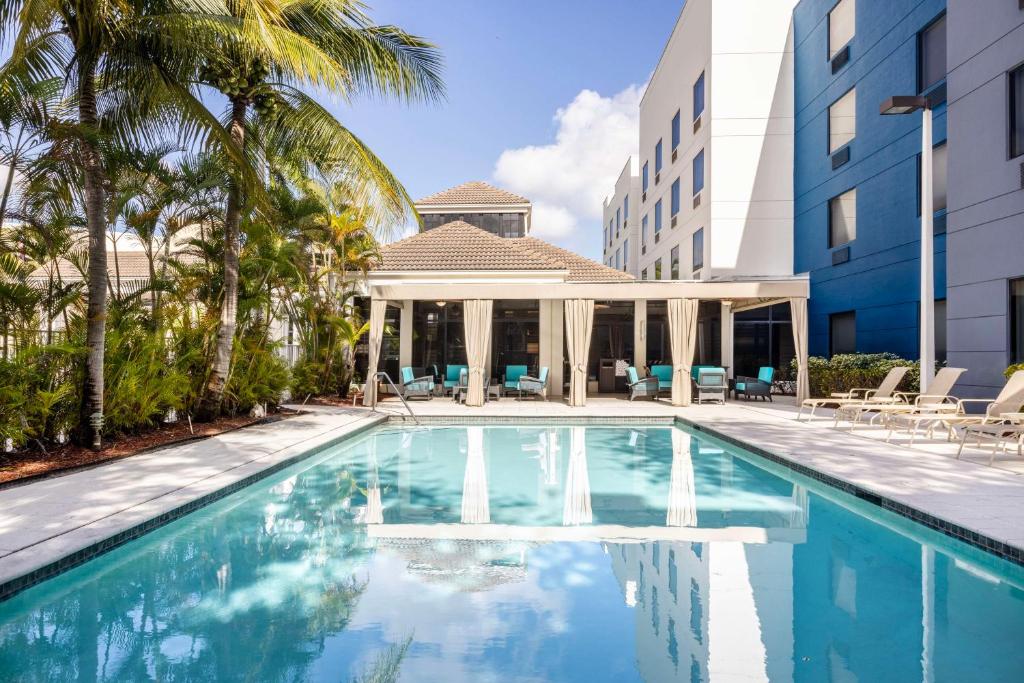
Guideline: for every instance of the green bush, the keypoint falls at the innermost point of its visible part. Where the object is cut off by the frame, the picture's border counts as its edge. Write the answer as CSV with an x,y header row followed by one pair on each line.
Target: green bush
x,y
258,375
40,396
847,371
1012,369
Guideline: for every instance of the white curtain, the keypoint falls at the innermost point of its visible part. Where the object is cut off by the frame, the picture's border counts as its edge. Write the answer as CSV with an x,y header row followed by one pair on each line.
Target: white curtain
x,y
577,509
682,323
798,307
682,492
374,513
477,314
579,323
378,309
801,513
476,503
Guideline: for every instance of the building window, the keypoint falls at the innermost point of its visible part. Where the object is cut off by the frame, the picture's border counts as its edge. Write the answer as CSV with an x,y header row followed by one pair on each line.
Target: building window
x,y
644,179
675,131
698,249
1017,320
1017,112
657,269
841,26
842,121
698,97
605,242
939,179
675,197
643,231
657,158
618,221
643,274
657,217
842,330
618,259
674,261
842,219
625,254
611,231
625,208
931,54
698,173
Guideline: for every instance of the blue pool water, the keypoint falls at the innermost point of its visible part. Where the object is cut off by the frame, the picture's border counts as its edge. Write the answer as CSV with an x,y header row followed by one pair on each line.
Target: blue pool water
x,y
529,553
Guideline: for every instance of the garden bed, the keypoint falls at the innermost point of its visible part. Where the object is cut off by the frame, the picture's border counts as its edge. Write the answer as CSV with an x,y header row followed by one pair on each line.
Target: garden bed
x,y
30,464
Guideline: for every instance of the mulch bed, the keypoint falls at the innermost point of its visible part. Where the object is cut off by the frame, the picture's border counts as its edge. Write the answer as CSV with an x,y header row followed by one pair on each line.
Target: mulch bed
x,y
32,463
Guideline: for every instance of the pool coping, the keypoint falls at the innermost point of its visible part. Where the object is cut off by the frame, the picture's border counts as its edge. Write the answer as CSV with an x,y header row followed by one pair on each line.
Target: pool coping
x,y
993,546
21,582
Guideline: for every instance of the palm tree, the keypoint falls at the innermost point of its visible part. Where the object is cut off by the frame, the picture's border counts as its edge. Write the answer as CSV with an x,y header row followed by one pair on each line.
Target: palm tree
x,y
330,45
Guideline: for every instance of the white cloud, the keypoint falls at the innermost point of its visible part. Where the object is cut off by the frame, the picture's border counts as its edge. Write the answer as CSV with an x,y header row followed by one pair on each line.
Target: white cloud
x,y
568,179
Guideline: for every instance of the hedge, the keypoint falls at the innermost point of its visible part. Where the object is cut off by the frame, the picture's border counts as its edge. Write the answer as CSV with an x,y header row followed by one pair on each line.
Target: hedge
x,y
846,371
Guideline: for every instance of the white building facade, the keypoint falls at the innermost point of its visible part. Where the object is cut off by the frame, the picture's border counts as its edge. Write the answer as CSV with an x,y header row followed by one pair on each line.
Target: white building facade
x,y
621,234
716,148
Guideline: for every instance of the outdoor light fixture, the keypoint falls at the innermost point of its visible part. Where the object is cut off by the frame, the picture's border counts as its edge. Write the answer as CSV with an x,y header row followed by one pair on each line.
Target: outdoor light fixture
x,y
908,104
441,304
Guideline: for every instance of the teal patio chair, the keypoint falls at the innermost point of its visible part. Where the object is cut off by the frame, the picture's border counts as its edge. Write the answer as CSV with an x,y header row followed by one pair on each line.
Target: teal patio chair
x,y
648,386
534,386
712,384
664,375
451,376
512,375
416,386
756,386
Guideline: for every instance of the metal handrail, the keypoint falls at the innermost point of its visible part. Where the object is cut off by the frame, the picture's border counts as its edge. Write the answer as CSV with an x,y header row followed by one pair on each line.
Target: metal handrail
x,y
382,374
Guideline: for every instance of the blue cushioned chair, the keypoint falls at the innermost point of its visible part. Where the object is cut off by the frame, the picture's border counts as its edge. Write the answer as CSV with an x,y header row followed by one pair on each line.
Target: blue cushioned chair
x,y
664,375
416,386
512,375
451,376
534,386
756,386
695,370
648,386
712,384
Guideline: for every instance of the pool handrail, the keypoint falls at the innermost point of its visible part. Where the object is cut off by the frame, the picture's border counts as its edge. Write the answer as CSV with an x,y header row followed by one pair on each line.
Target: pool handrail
x,y
382,374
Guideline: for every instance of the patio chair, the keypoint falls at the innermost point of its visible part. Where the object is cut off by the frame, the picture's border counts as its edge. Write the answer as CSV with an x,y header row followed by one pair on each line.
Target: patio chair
x,y
664,375
695,370
885,393
413,386
999,434
512,375
936,402
451,376
712,383
756,386
648,386
1010,400
534,386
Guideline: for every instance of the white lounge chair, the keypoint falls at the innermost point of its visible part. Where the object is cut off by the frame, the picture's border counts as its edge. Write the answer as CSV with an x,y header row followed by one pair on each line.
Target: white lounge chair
x,y
936,401
885,393
1009,400
999,434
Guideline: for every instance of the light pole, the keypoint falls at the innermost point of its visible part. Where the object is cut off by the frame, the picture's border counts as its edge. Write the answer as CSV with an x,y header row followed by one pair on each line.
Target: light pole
x,y
908,104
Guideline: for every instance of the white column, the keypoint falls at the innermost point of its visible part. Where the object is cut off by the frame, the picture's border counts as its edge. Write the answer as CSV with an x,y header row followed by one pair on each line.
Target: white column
x,y
927,613
927,255
557,341
727,342
405,325
640,334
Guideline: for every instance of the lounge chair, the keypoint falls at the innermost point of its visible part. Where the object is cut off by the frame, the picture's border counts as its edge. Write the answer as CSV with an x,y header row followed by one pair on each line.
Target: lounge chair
x,y
999,434
756,386
885,393
648,386
712,384
936,402
664,375
413,386
1009,400
534,386
512,374
451,377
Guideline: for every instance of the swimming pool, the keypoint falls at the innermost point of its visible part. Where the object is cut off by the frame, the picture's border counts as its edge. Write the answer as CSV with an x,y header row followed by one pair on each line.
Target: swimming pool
x,y
570,553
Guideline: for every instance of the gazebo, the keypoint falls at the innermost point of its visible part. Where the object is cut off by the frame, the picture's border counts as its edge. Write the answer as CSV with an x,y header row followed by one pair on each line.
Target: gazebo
x,y
460,263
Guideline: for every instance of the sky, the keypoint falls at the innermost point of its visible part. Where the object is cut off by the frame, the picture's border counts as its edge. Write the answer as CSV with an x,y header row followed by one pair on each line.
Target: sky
x,y
542,100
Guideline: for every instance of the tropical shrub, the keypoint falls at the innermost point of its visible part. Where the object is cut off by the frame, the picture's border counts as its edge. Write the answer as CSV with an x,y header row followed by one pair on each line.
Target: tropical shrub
x,y
39,402
258,375
1012,369
847,371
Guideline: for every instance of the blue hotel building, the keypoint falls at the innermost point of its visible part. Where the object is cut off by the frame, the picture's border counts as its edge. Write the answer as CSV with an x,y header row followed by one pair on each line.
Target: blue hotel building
x,y
856,172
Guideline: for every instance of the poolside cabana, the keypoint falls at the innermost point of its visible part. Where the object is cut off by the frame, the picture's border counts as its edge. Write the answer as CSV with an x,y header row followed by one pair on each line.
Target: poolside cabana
x,y
479,273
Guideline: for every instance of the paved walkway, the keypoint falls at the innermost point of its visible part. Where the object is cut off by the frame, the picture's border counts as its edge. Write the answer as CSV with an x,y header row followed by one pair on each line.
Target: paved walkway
x,y
43,521
46,520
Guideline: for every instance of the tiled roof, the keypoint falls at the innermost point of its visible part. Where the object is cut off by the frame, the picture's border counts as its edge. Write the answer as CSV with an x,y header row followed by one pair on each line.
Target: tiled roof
x,y
131,265
471,193
460,246
581,269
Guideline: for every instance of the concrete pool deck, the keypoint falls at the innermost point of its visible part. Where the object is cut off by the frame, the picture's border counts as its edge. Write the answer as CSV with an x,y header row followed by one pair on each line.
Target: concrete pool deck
x,y
47,524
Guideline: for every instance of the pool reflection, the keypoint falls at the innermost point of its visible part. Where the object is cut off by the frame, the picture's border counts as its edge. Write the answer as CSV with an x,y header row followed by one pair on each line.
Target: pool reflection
x,y
522,553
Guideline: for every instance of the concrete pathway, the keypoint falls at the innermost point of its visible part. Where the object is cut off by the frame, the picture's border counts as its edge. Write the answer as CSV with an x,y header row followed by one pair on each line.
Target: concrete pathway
x,y
43,521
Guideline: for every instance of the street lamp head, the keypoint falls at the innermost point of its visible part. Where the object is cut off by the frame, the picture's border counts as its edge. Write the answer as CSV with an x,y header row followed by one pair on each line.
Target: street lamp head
x,y
904,104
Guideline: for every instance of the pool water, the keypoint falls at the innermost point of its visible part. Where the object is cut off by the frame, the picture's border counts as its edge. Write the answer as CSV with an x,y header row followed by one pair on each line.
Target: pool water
x,y
527,553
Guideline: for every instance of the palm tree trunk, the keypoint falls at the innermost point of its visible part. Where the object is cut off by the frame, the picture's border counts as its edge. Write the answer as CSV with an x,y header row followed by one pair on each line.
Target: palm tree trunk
x,y
9,183
96,311
221,366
